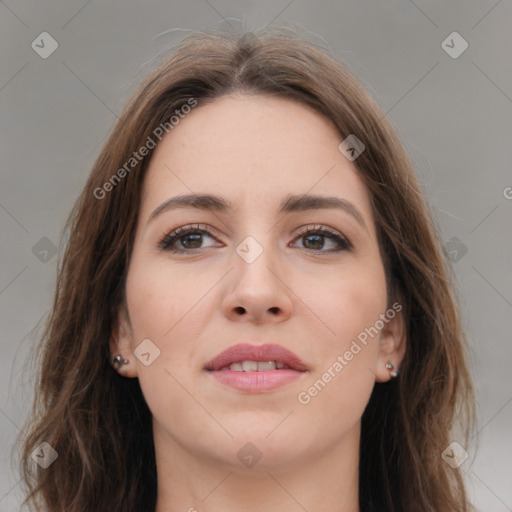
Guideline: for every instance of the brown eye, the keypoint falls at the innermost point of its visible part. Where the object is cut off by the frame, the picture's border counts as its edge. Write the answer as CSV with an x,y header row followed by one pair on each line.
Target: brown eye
x,y
185,239
314,239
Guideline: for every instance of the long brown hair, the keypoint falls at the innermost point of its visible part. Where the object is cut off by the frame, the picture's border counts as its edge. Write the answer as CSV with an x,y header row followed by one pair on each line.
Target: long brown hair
x,y
99,423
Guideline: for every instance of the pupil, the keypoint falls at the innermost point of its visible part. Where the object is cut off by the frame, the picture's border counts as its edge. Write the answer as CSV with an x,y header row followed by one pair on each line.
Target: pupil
x,y
319,240
192,236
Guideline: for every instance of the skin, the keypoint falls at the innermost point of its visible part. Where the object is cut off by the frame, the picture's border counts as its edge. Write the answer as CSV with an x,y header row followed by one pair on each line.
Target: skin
x,y
254,151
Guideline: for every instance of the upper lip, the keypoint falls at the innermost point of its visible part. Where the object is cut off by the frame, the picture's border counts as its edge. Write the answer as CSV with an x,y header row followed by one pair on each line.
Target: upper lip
x,y
248,352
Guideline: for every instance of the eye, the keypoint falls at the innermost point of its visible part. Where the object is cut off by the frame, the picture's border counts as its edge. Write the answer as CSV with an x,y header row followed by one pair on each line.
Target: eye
x,y
188,237
315,238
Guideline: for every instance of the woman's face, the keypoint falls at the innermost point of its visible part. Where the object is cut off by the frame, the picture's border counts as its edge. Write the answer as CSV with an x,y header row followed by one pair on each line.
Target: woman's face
x,y
254,276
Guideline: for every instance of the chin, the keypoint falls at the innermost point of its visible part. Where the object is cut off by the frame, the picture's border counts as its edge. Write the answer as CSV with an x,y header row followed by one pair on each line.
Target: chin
x,y
265,450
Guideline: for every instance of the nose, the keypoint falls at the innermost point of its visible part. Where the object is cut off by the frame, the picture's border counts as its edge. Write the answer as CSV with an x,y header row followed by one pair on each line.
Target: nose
x,y
258,290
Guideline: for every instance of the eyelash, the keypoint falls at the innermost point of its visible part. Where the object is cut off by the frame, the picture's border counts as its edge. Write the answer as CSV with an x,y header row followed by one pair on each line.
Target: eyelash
x,y
167,241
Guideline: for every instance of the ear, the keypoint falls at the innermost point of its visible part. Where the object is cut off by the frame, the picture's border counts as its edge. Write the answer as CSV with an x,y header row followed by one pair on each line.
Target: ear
x,y
121,342
392,346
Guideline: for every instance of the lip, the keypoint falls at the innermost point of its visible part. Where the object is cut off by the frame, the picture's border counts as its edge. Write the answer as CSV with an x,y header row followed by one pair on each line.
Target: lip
x,y
248,352
256,381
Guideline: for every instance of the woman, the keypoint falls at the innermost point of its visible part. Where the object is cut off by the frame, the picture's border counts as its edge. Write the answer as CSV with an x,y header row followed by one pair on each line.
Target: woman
x,y
254,311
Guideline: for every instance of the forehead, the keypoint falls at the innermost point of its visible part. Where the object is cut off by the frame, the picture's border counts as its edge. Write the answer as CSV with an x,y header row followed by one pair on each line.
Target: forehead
x,y
255,150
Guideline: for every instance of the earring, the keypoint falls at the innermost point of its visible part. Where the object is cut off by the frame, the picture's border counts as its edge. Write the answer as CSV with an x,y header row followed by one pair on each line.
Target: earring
x,y
391,366
118,361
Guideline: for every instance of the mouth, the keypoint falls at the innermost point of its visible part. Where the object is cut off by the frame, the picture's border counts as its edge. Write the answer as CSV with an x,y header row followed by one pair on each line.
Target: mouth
x,y
256,358
256,368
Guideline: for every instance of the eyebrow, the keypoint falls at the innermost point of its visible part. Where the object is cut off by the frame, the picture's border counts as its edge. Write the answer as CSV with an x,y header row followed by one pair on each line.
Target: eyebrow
x,y
290,204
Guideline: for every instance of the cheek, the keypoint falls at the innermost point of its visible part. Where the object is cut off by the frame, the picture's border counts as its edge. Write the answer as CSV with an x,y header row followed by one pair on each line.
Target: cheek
x,y
342,382
168,306
159,306
335,403
349,306
158,297
347,302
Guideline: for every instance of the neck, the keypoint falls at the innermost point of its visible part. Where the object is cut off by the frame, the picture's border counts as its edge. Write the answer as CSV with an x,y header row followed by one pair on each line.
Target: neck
x,y
318,482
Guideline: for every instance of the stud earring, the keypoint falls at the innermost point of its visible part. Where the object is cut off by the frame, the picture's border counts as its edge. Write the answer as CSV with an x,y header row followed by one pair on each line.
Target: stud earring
x,y
118,361
391,366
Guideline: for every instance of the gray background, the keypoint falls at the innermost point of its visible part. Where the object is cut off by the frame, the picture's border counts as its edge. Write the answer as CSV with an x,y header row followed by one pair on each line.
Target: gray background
x,y
453,115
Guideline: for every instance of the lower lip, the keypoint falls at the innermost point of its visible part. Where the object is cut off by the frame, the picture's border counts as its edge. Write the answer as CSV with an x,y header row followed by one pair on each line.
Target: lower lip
x,y
256,382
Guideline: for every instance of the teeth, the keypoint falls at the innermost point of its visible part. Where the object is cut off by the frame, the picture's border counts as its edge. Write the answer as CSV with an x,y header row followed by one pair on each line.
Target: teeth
x,y
250,366
255,366
266,366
